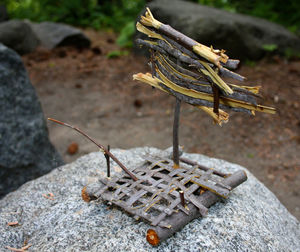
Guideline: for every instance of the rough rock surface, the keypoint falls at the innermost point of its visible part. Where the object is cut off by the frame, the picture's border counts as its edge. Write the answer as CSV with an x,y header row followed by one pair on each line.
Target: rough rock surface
x,y
25,150
242,36
53,35
252,219
18,36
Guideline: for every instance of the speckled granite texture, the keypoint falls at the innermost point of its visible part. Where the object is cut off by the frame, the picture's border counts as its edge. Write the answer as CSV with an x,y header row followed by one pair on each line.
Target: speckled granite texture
x,y
252,219
25,150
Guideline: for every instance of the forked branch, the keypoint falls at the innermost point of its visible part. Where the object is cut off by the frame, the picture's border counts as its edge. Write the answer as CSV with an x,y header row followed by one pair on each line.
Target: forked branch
x,y
106,151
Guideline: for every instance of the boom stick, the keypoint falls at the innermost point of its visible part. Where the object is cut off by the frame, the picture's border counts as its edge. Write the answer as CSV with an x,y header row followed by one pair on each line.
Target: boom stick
x,y
106,151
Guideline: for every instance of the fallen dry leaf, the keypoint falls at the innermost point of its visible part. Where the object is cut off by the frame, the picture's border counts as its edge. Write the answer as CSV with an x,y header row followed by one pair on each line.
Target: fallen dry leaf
x,y
49,196
73,148
14,223
23,249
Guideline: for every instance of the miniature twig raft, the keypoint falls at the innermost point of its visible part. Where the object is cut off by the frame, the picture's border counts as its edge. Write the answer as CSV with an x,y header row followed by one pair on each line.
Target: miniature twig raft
x,y
163,192
165,197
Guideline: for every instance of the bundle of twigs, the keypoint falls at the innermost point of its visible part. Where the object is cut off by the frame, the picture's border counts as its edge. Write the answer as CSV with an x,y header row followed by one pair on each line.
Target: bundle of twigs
x,y
192,72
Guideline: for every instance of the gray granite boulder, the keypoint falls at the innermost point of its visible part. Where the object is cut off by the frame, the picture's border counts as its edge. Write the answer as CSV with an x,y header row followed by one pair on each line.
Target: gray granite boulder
x,y
18,35
53,35
242,36
252,219
25,150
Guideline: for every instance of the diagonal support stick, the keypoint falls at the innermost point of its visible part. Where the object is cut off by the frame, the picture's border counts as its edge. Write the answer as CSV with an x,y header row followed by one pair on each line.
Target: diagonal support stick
x,y
99,145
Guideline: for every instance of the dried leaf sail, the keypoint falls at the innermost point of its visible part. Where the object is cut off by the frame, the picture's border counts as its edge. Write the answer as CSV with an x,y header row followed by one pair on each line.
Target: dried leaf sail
x,y
192,72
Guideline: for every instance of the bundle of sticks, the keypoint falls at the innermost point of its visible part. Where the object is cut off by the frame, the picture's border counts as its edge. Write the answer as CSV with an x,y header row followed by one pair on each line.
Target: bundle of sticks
x,y
192,72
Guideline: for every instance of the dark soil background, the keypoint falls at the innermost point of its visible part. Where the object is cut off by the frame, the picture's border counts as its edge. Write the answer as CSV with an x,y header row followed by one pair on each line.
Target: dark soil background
x,y
97,94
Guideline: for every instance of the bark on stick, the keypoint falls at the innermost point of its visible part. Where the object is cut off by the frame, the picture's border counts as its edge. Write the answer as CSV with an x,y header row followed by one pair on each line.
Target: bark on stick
x,y
155,235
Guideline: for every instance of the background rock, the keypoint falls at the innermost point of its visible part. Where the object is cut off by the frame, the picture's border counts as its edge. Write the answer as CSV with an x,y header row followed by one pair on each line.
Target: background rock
x,y
242,36
54,35
18,36
25,150
3,13
252,219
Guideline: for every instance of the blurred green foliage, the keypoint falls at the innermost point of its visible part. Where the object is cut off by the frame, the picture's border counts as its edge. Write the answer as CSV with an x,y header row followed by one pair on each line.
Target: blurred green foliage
x,y
120,15
290,54
114,14
282,12
250,63
270,47
116,54
126,34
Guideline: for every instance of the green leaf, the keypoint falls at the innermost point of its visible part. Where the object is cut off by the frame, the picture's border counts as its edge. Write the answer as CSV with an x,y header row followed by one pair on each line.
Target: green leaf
x,y
116,54
289,53
270,47
250,63
126,36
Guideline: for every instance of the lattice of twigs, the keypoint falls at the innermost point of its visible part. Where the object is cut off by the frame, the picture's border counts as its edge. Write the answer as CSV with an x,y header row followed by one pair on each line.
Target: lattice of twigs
x,y
155,195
